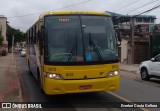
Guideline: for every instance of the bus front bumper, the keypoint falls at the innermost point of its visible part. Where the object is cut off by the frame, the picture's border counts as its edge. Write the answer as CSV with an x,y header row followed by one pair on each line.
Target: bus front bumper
x,y
52,87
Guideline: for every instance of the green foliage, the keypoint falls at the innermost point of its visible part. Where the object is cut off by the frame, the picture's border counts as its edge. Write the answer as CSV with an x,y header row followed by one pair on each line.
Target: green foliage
x,y
18,35
1,38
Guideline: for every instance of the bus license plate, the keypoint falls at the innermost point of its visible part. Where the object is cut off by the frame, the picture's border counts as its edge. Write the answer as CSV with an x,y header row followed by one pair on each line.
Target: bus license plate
x,y
85,87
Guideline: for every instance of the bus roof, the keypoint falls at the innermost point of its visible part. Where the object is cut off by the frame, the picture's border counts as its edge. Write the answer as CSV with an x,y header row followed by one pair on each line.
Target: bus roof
x,y
73,12
70,12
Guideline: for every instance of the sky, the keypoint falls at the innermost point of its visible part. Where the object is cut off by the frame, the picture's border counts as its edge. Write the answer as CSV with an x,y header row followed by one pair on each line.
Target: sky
x,y
22,14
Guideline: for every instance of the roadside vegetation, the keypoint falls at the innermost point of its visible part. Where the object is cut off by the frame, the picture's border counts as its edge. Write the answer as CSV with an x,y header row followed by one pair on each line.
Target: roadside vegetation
x,y
19,36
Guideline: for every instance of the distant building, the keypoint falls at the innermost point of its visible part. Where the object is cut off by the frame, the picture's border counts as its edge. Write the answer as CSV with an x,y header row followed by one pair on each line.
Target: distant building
x,y
123,21
143,27
3,28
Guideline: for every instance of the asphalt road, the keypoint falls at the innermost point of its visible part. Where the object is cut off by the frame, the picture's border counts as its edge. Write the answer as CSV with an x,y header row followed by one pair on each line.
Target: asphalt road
x,y
131,90
137,90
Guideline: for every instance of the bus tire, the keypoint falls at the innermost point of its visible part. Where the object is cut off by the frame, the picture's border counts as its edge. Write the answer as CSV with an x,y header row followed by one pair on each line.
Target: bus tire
x,y
39,81
29,68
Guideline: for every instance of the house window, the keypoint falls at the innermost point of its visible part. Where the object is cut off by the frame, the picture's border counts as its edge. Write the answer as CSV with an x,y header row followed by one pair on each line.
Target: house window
x,y
139,20
152,20
146,20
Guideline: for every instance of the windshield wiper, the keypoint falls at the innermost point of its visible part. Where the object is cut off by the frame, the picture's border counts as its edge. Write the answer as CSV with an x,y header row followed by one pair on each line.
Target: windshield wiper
x,y
91,42
72,50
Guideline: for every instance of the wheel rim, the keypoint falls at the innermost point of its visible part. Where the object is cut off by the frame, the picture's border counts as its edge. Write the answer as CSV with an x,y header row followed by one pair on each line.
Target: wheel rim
x,y
144,74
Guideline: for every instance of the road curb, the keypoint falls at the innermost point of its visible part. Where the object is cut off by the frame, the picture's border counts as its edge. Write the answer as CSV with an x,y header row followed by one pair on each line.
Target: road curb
x,y
20,86
20,89
133,71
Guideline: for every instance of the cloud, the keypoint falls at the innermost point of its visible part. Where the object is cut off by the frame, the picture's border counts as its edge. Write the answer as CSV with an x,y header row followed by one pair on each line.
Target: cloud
x,y
12,8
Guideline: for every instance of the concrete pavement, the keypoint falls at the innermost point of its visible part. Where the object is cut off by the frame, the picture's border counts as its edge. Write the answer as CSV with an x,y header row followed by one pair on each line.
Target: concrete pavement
x,y
133,70
10,88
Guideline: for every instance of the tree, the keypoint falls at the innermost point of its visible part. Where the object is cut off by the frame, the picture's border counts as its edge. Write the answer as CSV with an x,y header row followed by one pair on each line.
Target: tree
x,y
18,36
1,38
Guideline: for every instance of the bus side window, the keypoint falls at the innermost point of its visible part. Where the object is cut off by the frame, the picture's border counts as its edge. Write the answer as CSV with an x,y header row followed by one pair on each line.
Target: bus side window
x,y
40,38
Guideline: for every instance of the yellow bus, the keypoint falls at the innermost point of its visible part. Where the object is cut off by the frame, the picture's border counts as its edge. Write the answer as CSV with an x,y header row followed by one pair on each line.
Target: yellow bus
x,y
73,52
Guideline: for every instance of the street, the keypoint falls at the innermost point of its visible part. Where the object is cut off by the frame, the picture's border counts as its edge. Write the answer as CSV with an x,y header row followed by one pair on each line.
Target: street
x,y
132,89
137,90
95,55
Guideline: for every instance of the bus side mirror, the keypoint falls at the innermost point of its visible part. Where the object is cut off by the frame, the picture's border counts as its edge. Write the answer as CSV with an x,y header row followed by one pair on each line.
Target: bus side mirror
x,y
119,37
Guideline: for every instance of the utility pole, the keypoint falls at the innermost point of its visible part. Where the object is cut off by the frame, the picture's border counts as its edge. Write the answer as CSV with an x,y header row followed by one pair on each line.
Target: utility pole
x,y
132,39
131,47
12,47
132,32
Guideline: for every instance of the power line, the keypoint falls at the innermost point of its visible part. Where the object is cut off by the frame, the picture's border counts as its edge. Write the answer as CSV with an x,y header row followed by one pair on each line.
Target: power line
x,y
138,7
20,27
147,10
24,15
52,10
127,5
116,3
72,5
133,10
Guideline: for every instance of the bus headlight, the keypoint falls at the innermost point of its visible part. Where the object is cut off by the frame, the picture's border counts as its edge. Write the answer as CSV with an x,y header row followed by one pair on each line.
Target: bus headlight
x,y
53,76
113,73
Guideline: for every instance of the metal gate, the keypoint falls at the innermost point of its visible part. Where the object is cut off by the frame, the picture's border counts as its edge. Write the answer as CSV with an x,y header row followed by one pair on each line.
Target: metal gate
x,y
141,52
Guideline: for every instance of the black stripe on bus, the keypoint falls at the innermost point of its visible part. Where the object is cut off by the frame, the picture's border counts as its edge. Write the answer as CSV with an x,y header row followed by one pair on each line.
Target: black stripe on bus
x,y
80,63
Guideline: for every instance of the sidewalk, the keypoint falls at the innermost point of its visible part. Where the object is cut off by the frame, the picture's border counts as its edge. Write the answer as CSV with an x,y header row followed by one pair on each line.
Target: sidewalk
x,y
134,68
10,89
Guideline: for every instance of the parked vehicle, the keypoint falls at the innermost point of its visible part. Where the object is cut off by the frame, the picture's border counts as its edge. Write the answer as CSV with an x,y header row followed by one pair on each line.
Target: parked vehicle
x,y
23,53
150,68
19,49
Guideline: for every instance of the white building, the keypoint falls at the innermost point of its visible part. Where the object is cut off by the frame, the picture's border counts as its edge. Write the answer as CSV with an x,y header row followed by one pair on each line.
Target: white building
x,y
3,28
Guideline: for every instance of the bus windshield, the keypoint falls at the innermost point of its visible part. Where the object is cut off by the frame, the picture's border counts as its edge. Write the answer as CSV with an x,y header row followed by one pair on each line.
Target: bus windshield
x,y
79,38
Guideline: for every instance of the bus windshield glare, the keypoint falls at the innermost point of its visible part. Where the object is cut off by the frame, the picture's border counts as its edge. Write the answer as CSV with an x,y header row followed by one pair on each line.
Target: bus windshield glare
x,y
87,39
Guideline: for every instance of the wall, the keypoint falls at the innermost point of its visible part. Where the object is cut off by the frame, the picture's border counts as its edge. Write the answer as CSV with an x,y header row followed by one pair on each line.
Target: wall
x,y
141,52
124,51
3,27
